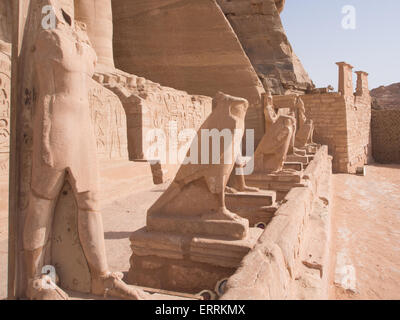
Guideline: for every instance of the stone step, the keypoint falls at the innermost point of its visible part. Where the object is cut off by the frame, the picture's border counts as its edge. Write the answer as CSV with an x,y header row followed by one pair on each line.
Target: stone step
x,y
254,206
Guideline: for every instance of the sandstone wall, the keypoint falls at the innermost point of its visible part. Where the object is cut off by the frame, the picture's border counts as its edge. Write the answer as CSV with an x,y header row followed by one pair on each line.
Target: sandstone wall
x,y
149,107
109,123
259,28
359,131
385,130
343,124
188,45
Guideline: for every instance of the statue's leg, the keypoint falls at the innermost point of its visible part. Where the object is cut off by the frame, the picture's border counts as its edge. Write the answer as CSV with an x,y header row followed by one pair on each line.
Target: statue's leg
x,y
91,235
37,231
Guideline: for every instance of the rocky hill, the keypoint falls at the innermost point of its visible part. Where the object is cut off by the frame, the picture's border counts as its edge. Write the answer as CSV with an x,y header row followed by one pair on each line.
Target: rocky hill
x,y
386,97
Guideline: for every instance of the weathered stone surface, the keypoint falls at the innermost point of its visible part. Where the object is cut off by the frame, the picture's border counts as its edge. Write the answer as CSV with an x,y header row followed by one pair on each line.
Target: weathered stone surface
x,y
177,262
201,56
386,97
260,31
109,123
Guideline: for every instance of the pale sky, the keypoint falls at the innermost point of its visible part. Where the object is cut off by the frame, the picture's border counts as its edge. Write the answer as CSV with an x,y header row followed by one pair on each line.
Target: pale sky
x,y
314,28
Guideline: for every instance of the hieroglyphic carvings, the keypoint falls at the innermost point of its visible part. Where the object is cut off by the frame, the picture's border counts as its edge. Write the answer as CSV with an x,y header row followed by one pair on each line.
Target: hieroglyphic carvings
x,y
109,123
150,106
5,75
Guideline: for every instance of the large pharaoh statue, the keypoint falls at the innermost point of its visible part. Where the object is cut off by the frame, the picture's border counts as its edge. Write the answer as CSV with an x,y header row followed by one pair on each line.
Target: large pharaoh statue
x,y
277,141
64,149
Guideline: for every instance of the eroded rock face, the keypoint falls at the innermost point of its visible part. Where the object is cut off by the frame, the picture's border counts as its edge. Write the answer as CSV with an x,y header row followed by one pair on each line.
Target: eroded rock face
x,y
386,97
5,20
259,28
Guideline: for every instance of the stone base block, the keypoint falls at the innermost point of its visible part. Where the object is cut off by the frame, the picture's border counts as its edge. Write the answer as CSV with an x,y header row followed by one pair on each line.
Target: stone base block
x,y
303,159
298,166
183,263
281,183
254,206
234,230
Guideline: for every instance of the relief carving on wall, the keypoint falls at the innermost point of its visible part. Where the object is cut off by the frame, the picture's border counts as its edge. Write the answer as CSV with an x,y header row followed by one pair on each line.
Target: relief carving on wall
x,y
5,72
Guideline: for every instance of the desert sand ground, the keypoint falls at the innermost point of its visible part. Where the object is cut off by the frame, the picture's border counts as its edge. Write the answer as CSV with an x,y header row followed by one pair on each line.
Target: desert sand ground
x,y
365,233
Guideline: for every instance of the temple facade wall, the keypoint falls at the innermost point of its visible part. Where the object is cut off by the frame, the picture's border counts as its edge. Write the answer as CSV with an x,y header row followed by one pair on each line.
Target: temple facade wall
x,y
109,123
385,131
154,109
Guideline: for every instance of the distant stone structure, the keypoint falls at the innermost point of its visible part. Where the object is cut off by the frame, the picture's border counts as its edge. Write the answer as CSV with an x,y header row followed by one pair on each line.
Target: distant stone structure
x,y
342,120
386,97
385,127
385,130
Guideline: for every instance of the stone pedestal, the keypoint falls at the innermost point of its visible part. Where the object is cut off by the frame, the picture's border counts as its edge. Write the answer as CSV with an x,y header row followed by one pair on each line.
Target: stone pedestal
x,y
281,182
304,159
298,166
185,263
257,207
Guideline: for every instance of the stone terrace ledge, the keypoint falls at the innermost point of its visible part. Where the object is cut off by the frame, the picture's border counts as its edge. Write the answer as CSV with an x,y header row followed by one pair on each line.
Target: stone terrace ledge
x,y
291,256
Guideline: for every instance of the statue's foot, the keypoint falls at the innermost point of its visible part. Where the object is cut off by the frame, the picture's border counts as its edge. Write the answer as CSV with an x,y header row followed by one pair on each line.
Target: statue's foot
x,y
44,288
223,214
111,285
250,189
230,190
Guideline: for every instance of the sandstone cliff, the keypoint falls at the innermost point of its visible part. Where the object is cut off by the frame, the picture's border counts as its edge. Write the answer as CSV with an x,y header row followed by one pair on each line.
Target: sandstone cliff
x,y
386,97
258,25
187,45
